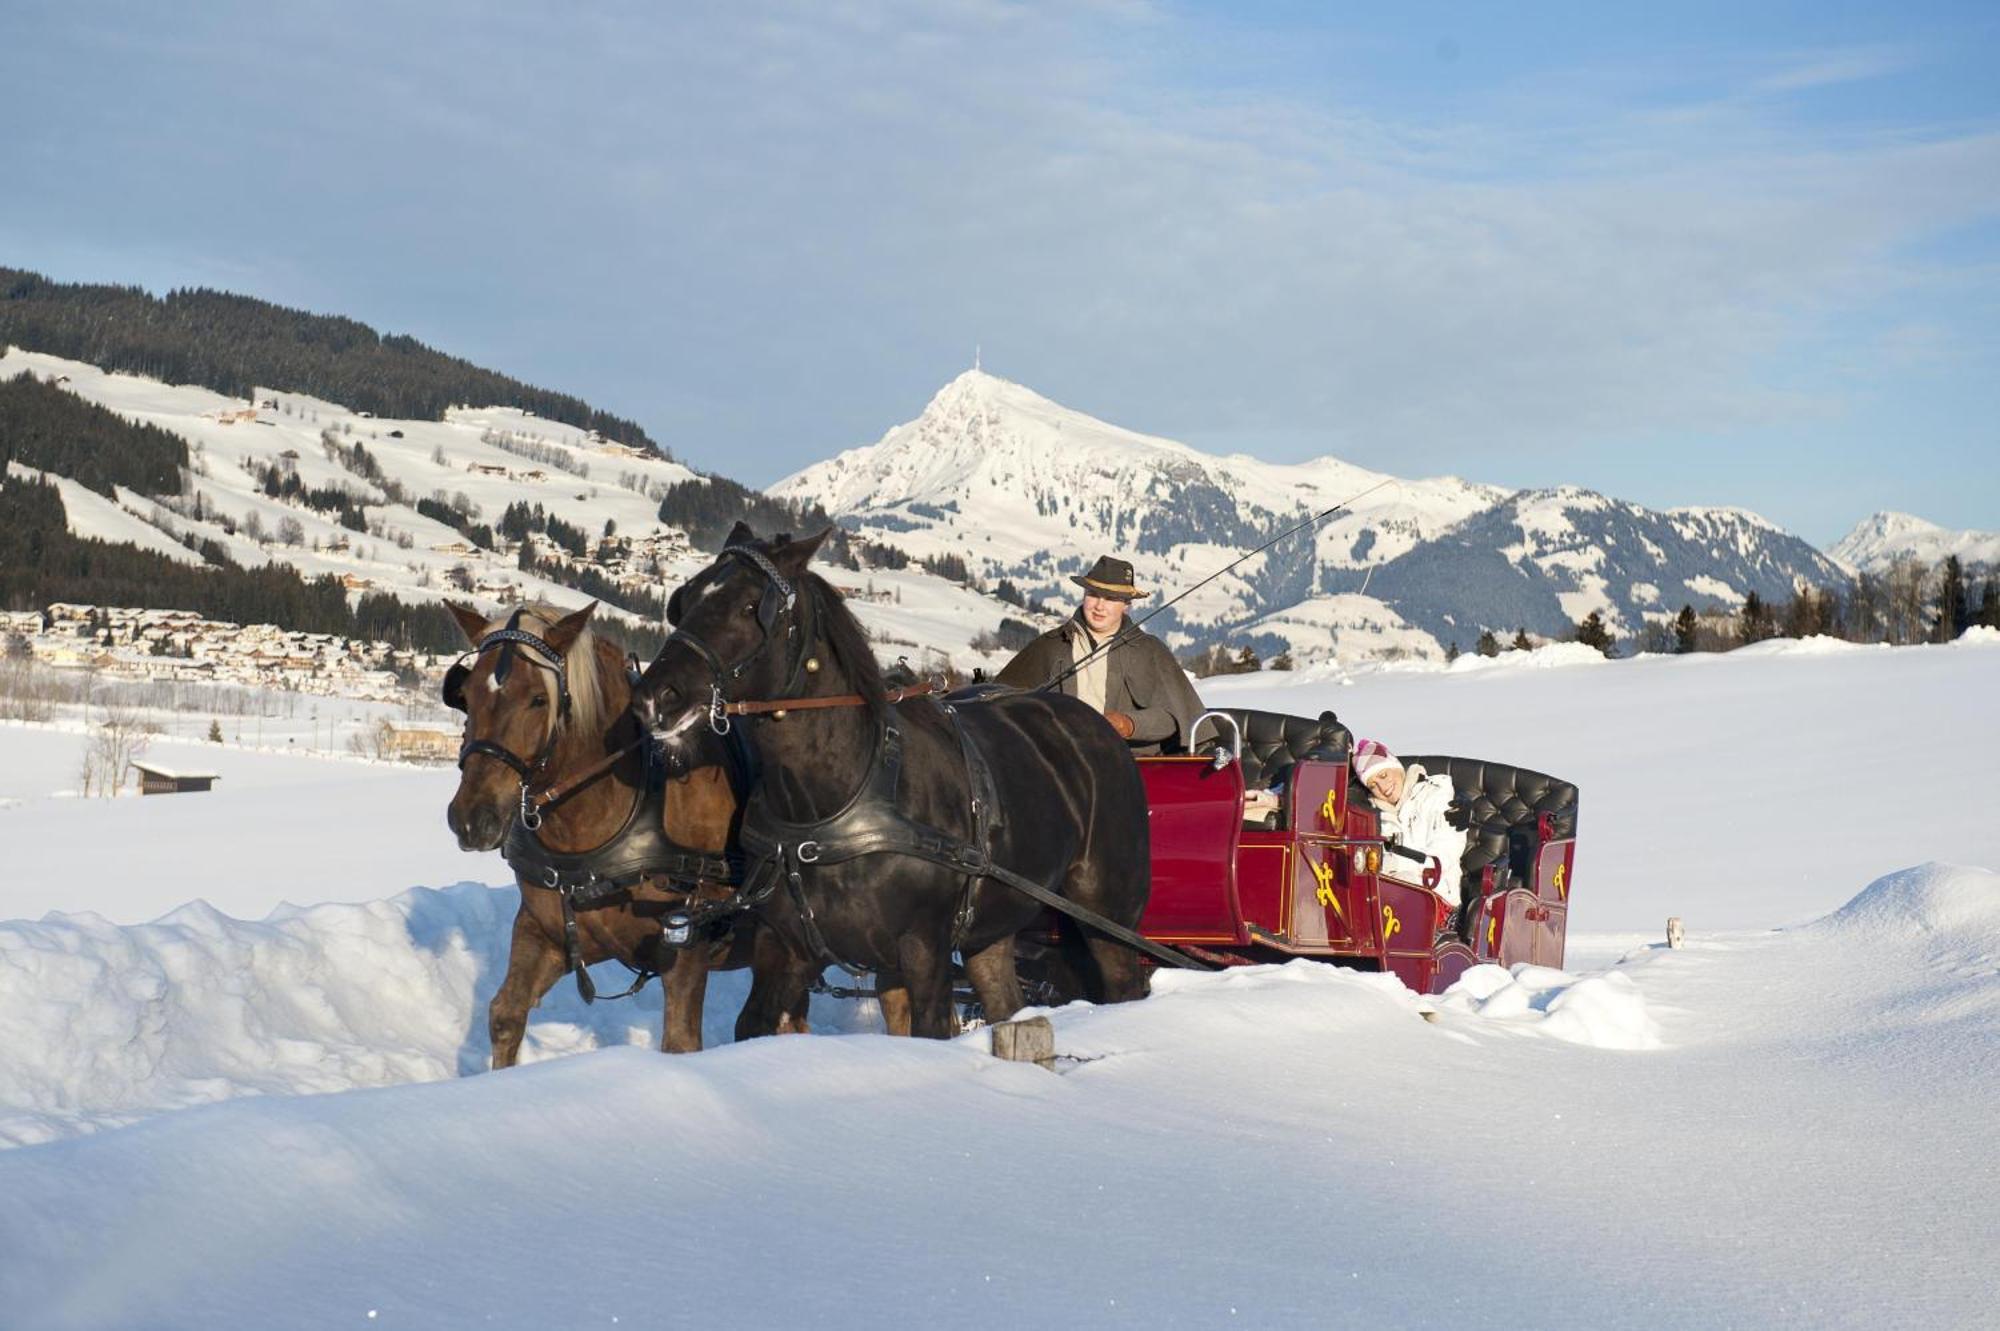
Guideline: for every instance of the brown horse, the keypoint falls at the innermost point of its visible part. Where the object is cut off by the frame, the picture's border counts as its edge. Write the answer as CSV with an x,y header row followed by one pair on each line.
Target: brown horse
x,y
546,700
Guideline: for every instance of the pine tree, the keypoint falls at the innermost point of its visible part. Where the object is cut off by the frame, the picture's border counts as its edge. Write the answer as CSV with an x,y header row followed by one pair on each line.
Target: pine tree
x,y
1451,652
214,732
1488,645
1590,631
1685,625
1989,603
1953,615
1521,642
1755,622
1247,662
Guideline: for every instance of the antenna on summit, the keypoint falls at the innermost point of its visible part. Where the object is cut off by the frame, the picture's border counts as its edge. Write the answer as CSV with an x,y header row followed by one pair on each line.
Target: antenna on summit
x,y
975,355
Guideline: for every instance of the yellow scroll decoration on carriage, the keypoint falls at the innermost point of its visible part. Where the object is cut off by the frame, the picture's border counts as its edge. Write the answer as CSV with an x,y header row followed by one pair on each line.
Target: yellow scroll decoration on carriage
x,y
1327,894
1391,926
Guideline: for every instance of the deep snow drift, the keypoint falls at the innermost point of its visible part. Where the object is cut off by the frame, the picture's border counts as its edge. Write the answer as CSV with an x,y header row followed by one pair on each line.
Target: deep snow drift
x,y
1778,1126
1282,1146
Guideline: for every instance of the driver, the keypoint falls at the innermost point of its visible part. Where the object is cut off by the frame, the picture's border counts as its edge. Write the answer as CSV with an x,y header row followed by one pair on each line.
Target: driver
x,y
1136,683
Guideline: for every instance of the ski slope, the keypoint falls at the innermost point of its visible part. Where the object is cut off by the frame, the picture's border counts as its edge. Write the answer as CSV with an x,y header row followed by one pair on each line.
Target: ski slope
x,y
236,1121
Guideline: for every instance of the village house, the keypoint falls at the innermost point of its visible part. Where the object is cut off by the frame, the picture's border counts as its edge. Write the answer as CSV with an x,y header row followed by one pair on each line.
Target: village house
x,y
421,742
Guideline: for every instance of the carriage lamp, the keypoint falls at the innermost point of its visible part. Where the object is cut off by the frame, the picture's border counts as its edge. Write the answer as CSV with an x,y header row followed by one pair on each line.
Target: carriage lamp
x,y
1374,859
679,926
1360,860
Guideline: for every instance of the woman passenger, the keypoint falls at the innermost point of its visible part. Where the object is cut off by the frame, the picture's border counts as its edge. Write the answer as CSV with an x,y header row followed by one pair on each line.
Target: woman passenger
x,y
1417,812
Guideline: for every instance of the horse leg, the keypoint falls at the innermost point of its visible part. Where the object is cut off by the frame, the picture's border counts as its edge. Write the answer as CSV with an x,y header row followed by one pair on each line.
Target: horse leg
x,y
534,963
683,987
892,994
927,975
991,970
1120,976
779,988
792,1021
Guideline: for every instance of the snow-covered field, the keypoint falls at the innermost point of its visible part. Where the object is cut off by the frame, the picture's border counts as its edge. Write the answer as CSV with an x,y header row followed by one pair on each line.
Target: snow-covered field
x,y
1788,1122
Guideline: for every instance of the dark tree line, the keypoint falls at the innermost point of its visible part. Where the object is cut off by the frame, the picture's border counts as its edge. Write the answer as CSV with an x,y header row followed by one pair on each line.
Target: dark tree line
x,y
234,344
707,510
41,562
1907,603
51,429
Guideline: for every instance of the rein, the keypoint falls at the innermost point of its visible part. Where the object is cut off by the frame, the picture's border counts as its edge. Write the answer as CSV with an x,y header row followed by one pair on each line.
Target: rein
x,y
777,707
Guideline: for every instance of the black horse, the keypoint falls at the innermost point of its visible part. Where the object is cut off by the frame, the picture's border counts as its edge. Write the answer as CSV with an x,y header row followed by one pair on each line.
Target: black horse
x,y
880,827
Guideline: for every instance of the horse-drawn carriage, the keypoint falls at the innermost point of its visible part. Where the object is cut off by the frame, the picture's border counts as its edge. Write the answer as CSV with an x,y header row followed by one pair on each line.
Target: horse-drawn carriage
x,y
996,838
1317,880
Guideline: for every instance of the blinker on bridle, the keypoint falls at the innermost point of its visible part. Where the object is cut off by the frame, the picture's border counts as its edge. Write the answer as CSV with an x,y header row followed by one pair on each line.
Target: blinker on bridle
x,y
780,597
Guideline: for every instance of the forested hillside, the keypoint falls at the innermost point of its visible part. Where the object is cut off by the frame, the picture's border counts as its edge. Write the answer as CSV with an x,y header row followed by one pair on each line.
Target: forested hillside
x,y
235,344
41,563
42,426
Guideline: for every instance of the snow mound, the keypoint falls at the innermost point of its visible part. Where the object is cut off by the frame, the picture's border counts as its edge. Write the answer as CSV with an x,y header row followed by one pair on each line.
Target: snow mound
x,y
104,1024
1950,902
1817,645
1603,1011
1979,635
1549,656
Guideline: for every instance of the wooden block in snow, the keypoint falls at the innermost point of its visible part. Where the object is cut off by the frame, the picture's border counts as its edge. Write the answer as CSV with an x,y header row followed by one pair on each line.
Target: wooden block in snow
x,y
1032,1040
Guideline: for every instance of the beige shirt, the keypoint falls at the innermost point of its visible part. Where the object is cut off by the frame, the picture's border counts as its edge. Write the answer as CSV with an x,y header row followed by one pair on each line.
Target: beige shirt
x,y
1091,680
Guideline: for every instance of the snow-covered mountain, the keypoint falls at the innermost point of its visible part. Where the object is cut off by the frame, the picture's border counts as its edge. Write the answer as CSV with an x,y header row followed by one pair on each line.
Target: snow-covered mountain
x,y
1025,489
477,460
1880,539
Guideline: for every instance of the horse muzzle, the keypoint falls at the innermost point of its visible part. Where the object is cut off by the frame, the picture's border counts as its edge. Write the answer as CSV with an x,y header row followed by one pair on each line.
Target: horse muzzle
x,y
481,830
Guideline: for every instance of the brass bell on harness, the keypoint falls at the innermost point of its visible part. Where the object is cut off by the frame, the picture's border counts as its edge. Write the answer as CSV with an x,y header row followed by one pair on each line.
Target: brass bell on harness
x,y
679,928
812,665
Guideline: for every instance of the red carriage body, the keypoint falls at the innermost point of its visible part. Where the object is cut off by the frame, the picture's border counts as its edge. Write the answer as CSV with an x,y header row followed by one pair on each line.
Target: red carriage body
x,y
1309,880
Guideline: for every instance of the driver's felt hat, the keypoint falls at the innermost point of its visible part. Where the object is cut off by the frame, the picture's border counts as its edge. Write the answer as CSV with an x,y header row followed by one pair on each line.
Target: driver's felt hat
x,y
1109,578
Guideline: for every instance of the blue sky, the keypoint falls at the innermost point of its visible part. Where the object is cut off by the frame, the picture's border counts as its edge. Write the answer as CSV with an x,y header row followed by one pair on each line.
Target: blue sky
x,y
1699,253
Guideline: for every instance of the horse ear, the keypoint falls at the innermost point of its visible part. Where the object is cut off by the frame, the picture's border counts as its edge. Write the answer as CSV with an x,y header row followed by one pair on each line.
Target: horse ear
x,y
793,556
740,534
562,634
470,622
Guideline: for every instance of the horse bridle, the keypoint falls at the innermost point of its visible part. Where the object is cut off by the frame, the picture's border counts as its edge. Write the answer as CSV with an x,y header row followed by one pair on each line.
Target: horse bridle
x,y
780,598
506,640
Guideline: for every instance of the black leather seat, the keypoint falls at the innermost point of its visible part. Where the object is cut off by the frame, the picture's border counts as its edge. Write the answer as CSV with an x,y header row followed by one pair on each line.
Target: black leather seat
x,y
1503,804
1273,741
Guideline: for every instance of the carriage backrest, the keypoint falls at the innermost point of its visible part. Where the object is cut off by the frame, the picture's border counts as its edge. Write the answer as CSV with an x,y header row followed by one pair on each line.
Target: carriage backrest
x,y
1273,741
1504,804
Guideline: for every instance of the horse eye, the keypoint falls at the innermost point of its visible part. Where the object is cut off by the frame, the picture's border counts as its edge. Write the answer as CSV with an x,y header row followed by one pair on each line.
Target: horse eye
x,y
539,700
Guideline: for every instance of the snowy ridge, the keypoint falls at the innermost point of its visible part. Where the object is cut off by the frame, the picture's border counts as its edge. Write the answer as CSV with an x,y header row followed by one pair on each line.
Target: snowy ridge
x,y
493,456
106,1023
1880,539
1026,489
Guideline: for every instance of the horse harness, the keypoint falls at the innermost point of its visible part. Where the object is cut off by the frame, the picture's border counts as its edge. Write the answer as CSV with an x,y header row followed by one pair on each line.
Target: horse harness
x,y
776,848
872,824
638,852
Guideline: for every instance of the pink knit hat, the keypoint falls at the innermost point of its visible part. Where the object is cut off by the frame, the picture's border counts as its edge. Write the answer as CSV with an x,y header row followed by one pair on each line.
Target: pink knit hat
x,y
1370,756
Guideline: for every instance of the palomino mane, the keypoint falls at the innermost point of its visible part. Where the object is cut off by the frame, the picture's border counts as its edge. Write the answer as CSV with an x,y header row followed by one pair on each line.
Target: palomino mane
x,y
581,663
847,643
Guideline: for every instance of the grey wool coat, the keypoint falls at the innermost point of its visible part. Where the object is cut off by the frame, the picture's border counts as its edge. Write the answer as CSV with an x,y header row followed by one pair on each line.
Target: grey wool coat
x,y
1142,680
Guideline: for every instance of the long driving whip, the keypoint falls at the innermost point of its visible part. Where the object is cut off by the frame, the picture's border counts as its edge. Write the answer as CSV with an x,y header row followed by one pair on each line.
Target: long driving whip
x,y
1119,638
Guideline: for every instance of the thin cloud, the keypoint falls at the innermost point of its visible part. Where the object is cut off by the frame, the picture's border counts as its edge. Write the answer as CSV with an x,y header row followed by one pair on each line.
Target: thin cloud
x,y
1828,68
